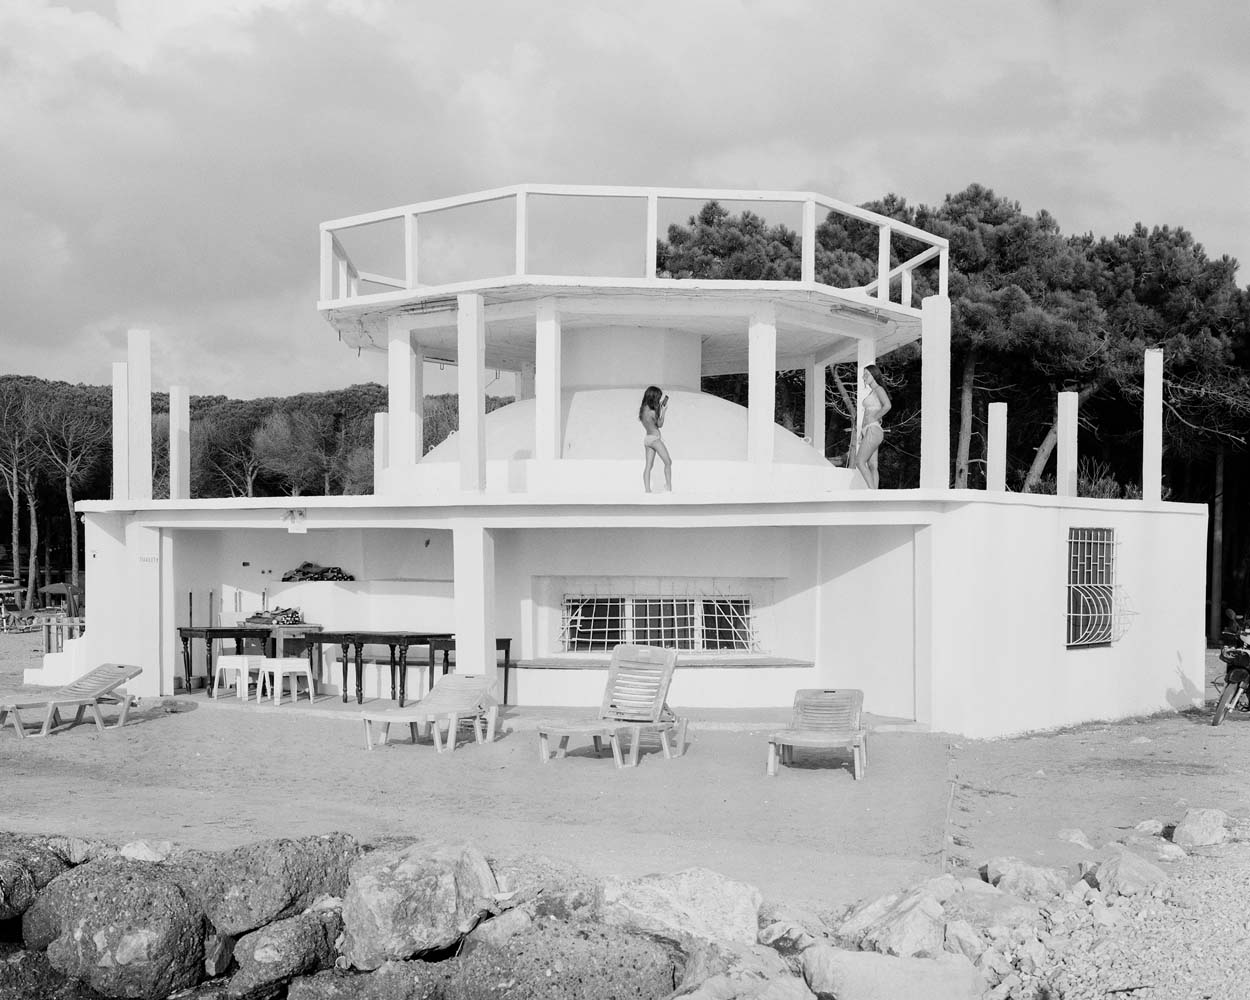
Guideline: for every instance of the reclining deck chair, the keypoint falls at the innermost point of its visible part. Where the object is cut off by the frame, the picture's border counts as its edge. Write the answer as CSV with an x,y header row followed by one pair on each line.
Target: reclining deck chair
x,y
101,686
823,719
454,699
634,699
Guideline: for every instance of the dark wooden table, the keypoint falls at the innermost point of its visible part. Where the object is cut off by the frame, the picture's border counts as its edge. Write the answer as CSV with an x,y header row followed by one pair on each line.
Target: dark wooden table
x,y
359,638
447,645
271,635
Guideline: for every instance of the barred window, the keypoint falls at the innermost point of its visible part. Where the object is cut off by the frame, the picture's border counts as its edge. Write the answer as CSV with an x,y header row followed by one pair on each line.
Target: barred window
x,y
1091,586
597,623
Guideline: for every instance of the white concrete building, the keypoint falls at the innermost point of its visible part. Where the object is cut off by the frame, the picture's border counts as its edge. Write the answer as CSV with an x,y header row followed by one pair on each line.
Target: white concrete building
x,y
976,612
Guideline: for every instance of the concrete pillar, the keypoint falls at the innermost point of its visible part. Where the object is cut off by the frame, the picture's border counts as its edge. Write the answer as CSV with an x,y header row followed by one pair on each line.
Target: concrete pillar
x,y
761,384
1065,447
525,381
471,384
996,449
865,355
405,377
814,400
121,433
380,450
548,442
139,412
1152,428
473,569
179,443
935,393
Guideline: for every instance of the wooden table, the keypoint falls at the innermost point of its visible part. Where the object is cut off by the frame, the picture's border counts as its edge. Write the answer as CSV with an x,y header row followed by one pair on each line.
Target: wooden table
x,y
359,638
447,645
274,636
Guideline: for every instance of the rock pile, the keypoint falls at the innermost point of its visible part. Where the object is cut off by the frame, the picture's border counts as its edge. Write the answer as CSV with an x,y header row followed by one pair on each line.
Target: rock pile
x,y
326,918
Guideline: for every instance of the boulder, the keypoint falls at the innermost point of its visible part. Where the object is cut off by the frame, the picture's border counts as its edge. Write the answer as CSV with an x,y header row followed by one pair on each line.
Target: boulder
x,y
285,949
17,889
125,927
1124,873
961,938
999,914
1026,881
864,916
695,903
852,975
391,981
27,975
708,960
728,986
915,926
1072,835
1169,852
146,850
1201,828
401,903
36,856
248,887
218,953
788,939
1150,827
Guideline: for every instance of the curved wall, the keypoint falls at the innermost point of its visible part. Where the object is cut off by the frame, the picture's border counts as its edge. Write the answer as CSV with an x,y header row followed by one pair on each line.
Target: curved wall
x,y
631,355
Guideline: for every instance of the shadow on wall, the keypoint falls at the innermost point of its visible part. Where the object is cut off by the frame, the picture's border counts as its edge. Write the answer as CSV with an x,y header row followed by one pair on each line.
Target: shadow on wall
x,y
1187,695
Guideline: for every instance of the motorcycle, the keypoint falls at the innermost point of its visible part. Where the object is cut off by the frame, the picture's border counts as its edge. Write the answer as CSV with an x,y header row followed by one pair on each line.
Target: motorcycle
x,y
1235,652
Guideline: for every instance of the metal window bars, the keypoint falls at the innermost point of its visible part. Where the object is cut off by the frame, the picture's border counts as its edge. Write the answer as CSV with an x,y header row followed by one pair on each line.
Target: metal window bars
x,y
1092,595
720,623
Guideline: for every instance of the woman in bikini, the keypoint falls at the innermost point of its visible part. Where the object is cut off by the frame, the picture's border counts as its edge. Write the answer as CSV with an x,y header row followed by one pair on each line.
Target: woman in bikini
x,y
876,406
651,413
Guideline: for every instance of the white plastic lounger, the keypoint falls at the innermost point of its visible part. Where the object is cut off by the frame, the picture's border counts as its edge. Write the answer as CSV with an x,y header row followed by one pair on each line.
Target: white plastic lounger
x,y
455,699
101,686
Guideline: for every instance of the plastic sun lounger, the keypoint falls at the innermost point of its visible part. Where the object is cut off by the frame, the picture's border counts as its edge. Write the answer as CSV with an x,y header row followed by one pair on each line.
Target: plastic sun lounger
x,y
101,686
823,719
634,701
455,699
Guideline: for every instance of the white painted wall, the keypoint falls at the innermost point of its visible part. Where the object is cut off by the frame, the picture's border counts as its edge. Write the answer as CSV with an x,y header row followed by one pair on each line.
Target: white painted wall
x,y
671,359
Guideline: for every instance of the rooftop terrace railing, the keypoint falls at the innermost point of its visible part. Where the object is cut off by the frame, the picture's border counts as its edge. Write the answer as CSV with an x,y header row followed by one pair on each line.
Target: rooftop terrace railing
x,y
401,237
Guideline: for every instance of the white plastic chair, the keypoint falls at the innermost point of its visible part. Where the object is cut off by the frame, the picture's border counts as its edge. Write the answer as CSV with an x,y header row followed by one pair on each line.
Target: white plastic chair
x,y
276,670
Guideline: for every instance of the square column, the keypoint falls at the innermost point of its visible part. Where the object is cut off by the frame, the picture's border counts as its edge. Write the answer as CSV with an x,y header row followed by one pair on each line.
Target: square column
x,y
525,381
121,432
996,449
548,441
405,378
139,412
761,384
471,383
1152,428
935,393
814,400
865,355
1065,446
179,443
473,581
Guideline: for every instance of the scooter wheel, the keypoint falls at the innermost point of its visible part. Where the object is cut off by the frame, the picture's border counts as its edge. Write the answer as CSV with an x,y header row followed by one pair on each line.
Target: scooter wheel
x,y
1228,698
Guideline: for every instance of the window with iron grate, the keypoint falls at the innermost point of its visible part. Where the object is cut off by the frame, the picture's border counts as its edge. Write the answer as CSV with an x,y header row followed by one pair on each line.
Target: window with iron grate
x,y
709,624
1091,587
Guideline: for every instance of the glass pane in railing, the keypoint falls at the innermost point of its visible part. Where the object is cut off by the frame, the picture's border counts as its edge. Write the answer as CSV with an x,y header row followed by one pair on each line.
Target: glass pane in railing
x,y
467,242
736,240
376,248
587,235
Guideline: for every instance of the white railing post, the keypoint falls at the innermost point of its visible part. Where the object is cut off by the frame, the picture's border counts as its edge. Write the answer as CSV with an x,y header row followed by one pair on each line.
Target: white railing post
x,y
1066,477
1152,428
411,271
996,449
906,296
522,231
342,269
883,263
653,235
327,265
944,266
809,241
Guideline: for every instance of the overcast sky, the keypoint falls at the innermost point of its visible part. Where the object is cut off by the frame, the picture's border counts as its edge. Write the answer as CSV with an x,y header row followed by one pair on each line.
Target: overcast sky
x,y
165,164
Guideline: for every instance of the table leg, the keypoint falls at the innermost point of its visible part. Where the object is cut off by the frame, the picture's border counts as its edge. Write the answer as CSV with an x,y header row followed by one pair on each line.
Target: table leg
x,y
313,672
507,662
360,673
403,672
394,690
430,683
345,671
208,660
186,663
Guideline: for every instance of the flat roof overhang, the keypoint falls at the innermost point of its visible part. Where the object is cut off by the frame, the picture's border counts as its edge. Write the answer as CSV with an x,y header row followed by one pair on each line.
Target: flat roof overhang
x,y
813,320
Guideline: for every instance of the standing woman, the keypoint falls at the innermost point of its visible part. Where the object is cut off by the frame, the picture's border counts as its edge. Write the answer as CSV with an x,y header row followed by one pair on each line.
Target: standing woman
x,y
651,414
876,406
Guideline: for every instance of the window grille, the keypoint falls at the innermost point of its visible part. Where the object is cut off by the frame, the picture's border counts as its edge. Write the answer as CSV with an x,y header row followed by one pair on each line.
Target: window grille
x,y
593,623
1091,587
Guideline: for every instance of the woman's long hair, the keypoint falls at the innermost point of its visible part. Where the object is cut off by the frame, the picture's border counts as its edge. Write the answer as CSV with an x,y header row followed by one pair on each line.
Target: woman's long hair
x,y
650,400
874,371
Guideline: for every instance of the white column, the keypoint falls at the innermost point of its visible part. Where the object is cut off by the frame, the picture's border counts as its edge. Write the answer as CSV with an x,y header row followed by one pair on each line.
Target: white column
x,y
525,381
1152,428
1065,446
380,450
139,412
883,263
471,384
405,377
814,400
121,433
996,449
935,392
179,443
547,383
473,569
865,355
761,384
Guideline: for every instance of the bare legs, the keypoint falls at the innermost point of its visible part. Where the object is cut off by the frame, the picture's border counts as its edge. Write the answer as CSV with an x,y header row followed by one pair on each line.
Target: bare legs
x,y
651,450
866,454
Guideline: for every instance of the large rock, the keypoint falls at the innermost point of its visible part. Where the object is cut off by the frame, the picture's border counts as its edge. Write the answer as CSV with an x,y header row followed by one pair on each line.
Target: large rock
x,y
854,975
915,926
708,960
1201,828
401,903
734,987
248,887
35,855
1126,874
695,903
391,981
997,913
1026,881
285,949
17,889
125,927
27,975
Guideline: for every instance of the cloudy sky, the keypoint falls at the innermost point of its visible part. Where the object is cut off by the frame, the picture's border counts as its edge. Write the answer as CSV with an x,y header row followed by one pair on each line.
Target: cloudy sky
x,y
164,164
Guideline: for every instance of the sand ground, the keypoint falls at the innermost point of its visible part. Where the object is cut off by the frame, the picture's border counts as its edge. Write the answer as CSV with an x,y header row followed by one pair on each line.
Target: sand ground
x,y
218,774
